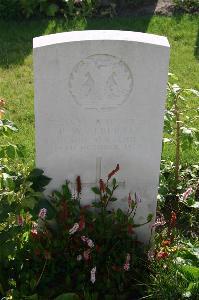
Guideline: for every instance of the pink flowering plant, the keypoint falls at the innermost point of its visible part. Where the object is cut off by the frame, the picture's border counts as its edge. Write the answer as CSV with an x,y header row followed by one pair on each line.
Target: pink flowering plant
x,y
88,250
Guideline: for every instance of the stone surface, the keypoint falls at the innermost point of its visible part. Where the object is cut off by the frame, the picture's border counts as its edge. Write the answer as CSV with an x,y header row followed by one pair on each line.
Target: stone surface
x,y
99,101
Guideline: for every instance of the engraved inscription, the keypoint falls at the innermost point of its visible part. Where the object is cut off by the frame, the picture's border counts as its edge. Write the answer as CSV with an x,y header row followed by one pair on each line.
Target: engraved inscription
x,y
100,135
101,82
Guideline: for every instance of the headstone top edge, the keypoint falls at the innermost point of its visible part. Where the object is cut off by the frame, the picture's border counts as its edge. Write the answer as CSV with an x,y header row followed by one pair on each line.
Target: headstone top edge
x,y
100,35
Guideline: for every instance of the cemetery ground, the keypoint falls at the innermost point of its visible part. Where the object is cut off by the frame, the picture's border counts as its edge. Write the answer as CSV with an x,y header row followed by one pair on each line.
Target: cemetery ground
x,y
172,268
17,71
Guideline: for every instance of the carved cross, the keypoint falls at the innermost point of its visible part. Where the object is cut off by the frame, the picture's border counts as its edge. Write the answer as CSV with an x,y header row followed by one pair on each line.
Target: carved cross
x,y
98,176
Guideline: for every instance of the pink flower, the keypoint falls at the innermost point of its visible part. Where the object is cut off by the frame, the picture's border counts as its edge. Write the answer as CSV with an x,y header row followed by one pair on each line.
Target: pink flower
x,y
88,241
34,231
42,213
187,193
20,220
162,255
102,186
81,223
151,255
114,171
79,185
173,219
86,254
128,258
126,266
159,222
127,263
83,238
74,228
93,271
129,200
138,198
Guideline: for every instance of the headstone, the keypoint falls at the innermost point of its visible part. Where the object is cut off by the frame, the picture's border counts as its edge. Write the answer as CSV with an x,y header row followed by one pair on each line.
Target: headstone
x,y
99,101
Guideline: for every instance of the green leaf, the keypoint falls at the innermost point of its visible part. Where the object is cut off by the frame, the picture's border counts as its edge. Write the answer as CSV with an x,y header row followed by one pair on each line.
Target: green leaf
x,y
113,199
119,213
173,76
195,205
187,137
67,296
187,131
52,10
32,297
96,190
9,125
39,181
166,140
11,151
97,204
20,149
169,122
68,282
29,202
133,204
187,294
192,91
66,191
175,88
36,172
2,152
193,286
114,182
57,195
8,181
190,272
181,98
149,217
108,191
7,249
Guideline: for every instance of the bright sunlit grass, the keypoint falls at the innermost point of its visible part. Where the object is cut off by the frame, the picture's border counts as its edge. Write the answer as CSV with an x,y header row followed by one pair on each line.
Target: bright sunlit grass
x,y
16,67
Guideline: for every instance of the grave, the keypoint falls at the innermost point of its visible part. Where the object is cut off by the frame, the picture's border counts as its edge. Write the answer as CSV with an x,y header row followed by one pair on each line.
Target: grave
x,y
99,101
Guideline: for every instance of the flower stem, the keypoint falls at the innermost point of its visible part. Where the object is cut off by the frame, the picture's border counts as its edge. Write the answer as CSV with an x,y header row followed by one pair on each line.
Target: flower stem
x,y
42,272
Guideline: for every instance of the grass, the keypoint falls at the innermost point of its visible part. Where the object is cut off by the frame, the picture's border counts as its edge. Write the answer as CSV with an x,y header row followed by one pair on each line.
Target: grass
x,y
167,282
16,68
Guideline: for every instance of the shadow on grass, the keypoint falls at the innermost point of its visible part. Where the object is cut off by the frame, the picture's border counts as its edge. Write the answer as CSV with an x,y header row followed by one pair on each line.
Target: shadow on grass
x,y
131,18
16,40
16,37
137,8
119,23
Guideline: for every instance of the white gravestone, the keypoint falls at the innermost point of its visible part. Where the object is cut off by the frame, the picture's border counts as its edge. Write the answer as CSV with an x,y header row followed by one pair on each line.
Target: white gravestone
x,y
99,101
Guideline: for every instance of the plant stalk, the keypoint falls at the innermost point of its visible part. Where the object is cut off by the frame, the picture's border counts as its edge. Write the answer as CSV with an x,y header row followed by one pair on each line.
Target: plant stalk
x,y
177,152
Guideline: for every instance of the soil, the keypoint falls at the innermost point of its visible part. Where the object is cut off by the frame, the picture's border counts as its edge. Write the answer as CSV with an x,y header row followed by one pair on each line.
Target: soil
x,y
164,7
150,7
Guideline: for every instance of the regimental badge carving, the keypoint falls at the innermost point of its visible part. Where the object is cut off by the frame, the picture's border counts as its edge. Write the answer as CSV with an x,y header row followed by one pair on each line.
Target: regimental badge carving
x,y
101,82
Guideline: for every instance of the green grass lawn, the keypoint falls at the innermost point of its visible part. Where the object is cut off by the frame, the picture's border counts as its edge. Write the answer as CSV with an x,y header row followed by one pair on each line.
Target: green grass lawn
x,y
16,65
